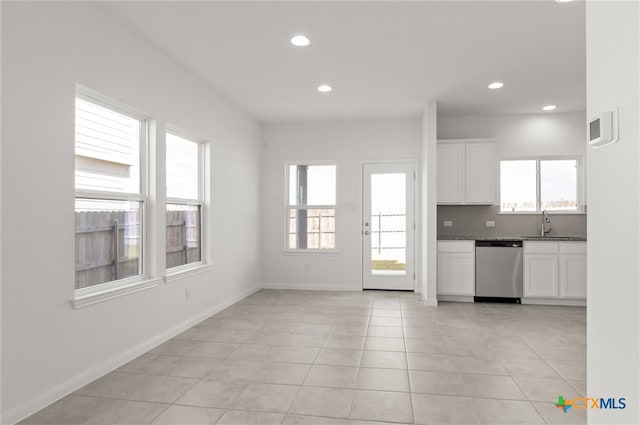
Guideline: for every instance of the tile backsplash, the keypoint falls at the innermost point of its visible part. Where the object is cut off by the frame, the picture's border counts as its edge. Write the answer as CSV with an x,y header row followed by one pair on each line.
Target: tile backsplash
x,y
470,220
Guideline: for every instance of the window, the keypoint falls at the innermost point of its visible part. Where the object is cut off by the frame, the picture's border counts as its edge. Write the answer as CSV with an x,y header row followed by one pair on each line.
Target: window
x,y
534,185
311,207
184,201
110,200
559,185
518,187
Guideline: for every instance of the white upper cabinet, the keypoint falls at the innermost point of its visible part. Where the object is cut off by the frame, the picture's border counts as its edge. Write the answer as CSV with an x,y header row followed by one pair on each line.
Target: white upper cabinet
x,y
450,173
466,172
480,176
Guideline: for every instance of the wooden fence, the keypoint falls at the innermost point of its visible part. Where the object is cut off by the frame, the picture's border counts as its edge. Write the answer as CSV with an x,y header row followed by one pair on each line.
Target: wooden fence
x,y
108,244
321,228
183,237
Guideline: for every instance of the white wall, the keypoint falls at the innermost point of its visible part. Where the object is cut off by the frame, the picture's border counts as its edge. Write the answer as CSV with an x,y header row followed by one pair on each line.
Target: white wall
x,y
613,267
50,348
1,390
429,212
347,144
522,135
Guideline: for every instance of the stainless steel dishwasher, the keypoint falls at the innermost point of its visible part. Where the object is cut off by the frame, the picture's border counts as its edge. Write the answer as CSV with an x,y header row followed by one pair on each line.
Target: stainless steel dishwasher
x,y
499,271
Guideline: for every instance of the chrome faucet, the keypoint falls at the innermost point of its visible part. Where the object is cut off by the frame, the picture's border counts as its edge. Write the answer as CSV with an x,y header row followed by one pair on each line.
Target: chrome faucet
x,y
544,220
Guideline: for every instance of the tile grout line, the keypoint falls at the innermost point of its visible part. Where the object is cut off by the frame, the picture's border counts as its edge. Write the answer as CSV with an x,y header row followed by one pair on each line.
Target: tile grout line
x,y
204,378
358,375
305,378
160,414
530,401
406,358
459,374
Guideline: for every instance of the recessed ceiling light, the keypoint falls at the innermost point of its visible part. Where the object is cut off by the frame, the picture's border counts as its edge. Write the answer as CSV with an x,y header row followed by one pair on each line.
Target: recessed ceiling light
x,y
324,88
563,1
549,108
496,85
300,41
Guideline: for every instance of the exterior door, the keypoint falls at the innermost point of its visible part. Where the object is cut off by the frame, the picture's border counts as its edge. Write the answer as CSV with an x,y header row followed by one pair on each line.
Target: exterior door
x,y
388,226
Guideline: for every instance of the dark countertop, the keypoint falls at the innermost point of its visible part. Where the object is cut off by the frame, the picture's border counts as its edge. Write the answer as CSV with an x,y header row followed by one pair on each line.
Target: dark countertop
x,y
512,238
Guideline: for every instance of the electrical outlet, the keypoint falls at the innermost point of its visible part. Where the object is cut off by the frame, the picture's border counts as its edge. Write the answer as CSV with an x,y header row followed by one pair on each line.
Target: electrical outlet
x,y
448,223
491,223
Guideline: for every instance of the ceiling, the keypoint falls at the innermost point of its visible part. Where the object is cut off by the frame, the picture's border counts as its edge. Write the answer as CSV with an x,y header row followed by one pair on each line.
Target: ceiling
x,y
383,59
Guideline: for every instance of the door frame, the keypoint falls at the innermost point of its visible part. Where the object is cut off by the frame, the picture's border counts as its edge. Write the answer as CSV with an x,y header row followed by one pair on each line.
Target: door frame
x,y
417,240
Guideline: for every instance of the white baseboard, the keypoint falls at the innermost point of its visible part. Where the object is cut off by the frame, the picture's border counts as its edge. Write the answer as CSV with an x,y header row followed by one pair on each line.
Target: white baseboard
x,y
78,381
311,286
555,301
430,302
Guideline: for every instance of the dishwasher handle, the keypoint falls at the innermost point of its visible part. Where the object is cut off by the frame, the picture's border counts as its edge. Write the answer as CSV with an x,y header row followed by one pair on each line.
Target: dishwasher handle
x,y
499,244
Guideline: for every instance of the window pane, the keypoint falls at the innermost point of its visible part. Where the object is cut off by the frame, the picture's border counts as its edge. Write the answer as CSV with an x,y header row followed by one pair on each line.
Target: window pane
x,y
312,184
559,185
293,185
107,149
321,183
319,232
183,234
518,185
107,241
293,228
182,168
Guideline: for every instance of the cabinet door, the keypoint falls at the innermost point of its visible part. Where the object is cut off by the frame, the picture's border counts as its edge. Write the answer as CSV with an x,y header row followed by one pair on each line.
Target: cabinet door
x,y
573,275
456,274
541,275
480,173
450,173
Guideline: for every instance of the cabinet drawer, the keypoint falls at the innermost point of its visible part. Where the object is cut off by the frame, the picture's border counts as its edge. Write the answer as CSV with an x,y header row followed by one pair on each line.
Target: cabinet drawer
x,y
540,247
464,247
573,247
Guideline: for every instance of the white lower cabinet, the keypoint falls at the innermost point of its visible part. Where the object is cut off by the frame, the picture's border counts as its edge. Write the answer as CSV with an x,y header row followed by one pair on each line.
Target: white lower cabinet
x,y
540,269
457,268
555,270
573,270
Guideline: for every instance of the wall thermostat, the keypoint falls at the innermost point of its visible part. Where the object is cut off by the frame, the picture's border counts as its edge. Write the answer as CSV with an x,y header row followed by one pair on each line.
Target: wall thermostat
x,y
603,129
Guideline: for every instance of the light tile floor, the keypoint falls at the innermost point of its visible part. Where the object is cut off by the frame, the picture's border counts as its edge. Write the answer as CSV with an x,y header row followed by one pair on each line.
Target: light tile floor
x,y
299,357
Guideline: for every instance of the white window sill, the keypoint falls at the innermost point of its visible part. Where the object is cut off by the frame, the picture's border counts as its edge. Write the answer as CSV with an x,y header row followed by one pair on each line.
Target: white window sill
x,y
173,276
310,252
92,296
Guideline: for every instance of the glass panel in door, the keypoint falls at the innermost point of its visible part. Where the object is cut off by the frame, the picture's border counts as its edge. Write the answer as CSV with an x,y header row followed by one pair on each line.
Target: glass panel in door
x,y
388,224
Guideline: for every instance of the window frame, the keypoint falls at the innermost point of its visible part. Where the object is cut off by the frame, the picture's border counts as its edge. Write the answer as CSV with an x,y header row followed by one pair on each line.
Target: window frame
x,y
580,195
287,207
107,290
171,273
